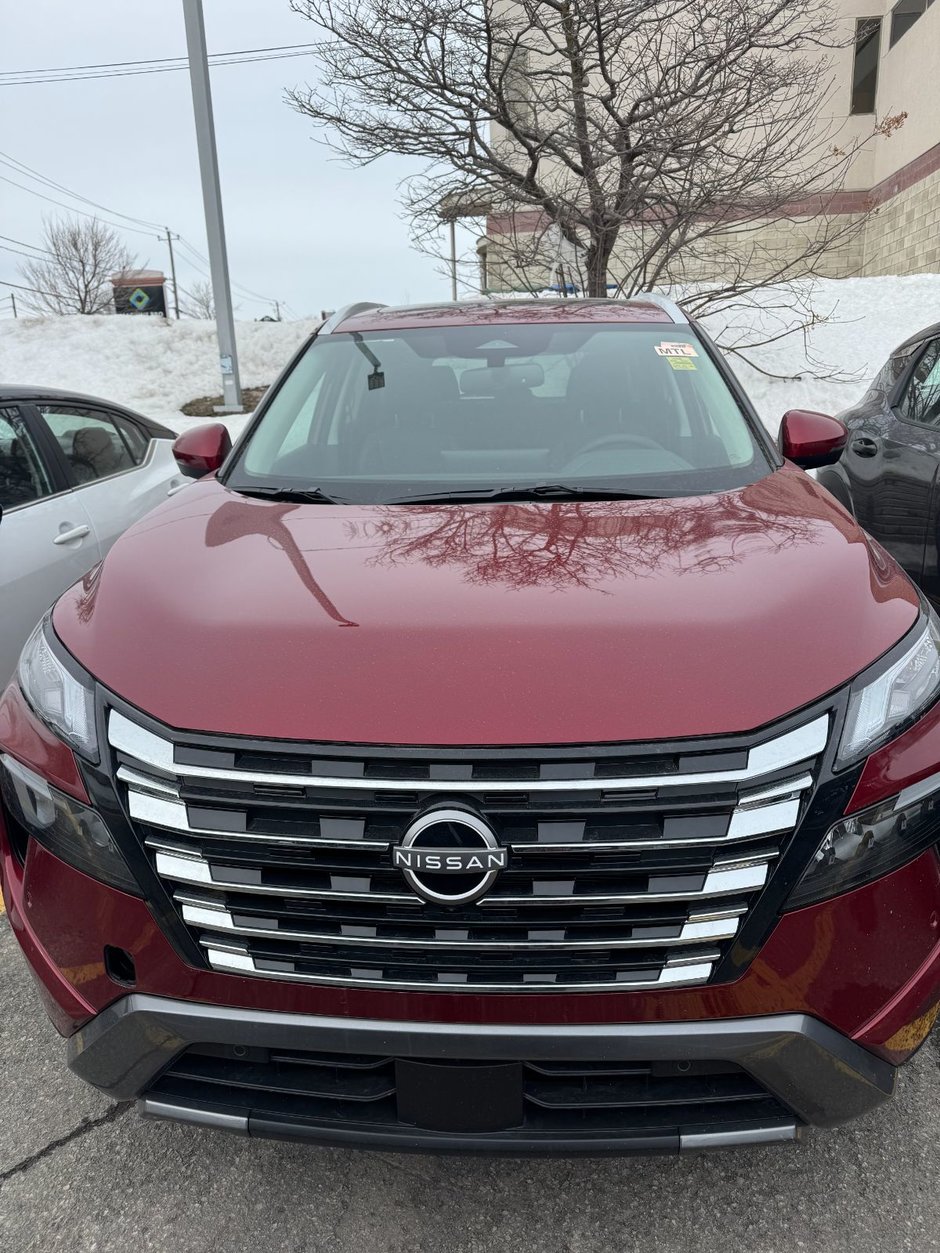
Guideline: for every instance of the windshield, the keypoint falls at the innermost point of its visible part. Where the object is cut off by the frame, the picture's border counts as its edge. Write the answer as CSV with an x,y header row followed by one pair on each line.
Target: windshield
x,y
389,416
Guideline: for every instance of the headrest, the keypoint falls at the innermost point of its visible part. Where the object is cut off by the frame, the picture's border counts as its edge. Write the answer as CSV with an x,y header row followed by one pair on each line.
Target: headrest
x,y
91,442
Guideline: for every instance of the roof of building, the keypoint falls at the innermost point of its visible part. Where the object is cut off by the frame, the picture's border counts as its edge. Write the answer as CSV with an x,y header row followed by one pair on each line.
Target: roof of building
x,y
138,278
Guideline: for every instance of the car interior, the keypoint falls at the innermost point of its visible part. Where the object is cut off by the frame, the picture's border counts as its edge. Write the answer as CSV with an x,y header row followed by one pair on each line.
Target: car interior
x,y
92,446
594,414
21,479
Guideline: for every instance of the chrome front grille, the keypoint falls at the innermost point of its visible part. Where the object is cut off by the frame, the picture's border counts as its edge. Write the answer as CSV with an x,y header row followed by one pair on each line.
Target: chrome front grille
x,y
626,870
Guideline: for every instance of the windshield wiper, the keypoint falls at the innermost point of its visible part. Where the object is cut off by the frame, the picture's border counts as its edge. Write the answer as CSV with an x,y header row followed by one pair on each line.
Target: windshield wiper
x,y
314,495
536,491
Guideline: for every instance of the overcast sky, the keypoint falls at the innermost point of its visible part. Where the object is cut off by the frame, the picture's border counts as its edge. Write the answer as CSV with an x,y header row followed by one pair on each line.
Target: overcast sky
x,y
301,227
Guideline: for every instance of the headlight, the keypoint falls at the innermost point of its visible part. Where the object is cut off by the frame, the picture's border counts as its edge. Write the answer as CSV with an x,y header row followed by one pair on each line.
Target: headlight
x,y
60,699
879,705
872,843
63,825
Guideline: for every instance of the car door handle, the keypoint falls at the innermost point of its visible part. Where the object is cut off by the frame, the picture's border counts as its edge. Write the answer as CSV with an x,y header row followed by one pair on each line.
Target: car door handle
x,y
74,533
864,446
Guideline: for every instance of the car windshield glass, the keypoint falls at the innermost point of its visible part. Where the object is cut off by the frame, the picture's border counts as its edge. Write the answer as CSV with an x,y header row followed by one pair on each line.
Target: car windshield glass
x,y
384,416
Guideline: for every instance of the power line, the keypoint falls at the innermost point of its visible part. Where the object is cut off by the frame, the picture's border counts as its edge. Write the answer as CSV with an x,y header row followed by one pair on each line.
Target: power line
x,y
189,252
71,208
152,60
19,252
240,288
23,244
155,69
20,167
20,287
110,65
268,300
142,227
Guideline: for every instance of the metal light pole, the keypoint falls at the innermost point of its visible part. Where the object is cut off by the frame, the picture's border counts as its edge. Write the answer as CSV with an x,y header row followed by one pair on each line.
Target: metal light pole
x,y
212,201
453,259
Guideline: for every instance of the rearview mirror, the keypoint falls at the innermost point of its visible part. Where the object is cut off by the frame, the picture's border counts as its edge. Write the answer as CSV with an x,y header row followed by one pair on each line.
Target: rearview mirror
x,y
811,439
202,450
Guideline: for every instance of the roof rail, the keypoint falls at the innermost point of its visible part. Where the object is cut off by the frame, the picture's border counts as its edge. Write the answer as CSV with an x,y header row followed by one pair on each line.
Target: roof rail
x,y
664,303
348,311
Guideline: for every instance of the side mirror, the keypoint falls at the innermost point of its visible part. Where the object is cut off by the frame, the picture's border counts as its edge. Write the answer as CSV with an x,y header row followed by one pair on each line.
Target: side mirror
x,y
811,439
202,450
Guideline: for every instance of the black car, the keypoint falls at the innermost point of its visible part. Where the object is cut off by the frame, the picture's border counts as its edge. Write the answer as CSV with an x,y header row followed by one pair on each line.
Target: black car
x,y
888,473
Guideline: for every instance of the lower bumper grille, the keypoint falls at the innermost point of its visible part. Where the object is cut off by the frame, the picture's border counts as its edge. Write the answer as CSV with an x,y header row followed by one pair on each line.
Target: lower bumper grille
x,y
651,1105
626,867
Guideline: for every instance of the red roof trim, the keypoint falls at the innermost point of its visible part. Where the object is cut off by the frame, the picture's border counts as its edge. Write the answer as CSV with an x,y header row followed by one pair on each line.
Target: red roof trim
x,y
833,202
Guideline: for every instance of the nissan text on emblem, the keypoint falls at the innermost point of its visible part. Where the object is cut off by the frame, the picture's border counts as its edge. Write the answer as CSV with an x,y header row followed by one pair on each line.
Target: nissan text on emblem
x,y
450,856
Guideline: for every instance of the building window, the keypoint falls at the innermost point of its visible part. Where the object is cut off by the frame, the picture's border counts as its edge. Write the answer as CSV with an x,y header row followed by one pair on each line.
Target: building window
x,y
517,89
903,16
865,67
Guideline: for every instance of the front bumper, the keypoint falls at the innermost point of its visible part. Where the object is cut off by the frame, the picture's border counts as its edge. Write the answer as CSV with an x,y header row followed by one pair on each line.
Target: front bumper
x,y
809,1074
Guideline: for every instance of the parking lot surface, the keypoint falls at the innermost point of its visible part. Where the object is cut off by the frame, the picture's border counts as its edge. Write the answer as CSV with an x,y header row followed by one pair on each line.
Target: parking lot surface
x,y
80,1173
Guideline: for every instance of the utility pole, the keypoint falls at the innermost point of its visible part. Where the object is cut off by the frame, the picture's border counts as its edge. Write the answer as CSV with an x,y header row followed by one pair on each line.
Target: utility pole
x,y
212,202
176,291
277,310
453,259
13,303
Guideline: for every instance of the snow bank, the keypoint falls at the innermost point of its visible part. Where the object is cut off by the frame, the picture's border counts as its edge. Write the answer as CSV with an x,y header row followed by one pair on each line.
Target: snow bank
x,y
149,364
865,319
156,366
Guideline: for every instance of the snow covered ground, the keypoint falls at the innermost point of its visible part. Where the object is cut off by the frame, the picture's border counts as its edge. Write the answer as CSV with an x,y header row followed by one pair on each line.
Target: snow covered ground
x,y
865,318
149,364
157,366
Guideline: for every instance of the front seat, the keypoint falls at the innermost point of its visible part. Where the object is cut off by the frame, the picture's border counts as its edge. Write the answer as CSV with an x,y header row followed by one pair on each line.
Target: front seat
x,y
408,421
607,398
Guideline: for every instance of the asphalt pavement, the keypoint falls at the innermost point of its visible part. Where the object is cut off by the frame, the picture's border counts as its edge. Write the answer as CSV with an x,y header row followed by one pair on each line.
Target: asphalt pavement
x,y
80,1173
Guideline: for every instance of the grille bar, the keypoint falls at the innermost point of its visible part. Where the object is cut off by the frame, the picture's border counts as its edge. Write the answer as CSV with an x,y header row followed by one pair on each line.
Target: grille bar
x,y
235,960
184,867
172,815
207,913
786,750
746,821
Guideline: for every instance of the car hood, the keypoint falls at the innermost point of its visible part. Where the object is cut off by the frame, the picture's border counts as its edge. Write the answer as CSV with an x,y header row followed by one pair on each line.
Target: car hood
x,y
526,623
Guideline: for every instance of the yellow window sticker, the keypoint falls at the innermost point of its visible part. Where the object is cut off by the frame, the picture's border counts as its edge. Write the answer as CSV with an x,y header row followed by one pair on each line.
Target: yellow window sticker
x,y
675,350
681,363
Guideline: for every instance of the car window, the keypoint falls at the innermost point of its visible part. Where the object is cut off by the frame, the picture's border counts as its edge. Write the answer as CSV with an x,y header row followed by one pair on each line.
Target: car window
x,y
137,440
90,441
377,416
298,432
23,477
921,399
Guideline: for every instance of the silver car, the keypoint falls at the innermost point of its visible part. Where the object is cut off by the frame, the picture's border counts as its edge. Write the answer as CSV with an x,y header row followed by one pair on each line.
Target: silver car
x,y
74,473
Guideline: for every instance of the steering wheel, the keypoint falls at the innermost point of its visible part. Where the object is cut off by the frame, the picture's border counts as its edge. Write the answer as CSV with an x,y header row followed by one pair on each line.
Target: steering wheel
x,y
623,440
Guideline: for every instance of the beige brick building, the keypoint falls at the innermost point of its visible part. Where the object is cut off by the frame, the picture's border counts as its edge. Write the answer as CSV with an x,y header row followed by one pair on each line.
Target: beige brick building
x,y
889,66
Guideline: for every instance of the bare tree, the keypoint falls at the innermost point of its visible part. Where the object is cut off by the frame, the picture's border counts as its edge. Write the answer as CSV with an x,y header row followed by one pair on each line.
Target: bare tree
x,y
198,300
648,140
75,276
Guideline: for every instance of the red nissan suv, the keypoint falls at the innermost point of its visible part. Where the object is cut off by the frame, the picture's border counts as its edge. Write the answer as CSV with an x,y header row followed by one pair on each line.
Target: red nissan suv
x,y
502,747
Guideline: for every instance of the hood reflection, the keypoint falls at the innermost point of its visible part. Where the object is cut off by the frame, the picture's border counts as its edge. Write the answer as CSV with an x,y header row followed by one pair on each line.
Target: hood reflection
x,y
585,544
235,520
